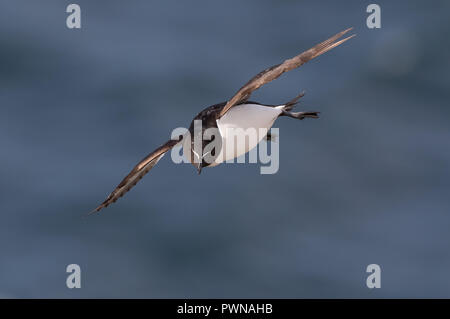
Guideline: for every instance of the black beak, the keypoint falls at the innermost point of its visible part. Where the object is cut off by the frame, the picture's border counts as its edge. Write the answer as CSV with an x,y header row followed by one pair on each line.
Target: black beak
x,y
199,168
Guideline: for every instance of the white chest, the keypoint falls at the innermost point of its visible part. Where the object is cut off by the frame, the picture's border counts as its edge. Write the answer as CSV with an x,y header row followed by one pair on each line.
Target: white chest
x,y
243,127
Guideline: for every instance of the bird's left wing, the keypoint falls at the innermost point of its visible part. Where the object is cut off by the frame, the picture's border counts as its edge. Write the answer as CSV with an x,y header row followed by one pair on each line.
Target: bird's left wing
x,y
275,71
137,173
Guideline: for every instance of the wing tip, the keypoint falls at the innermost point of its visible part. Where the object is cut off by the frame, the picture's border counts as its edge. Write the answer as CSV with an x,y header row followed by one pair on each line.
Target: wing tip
x,y
344,39
349,37
99,207
95,211
331,43
347,30
340,34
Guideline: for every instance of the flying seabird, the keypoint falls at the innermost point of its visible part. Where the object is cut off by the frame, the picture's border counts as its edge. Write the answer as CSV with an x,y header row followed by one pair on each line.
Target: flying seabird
x,y
238,112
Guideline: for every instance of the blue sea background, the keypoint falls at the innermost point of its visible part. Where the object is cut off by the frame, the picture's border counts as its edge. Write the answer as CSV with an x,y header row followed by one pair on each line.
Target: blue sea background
x,y
369,182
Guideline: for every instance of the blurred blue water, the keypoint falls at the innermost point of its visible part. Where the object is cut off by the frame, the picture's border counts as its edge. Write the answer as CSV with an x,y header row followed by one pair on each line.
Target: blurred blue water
x,y
367,183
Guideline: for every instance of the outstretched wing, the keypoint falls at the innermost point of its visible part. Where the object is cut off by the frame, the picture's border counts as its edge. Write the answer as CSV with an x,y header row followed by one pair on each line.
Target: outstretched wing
x,y
136,174
275,71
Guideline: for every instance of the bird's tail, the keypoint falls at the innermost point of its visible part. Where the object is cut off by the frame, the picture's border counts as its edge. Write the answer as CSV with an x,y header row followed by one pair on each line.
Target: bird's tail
x,y
290,105
301,115
285,111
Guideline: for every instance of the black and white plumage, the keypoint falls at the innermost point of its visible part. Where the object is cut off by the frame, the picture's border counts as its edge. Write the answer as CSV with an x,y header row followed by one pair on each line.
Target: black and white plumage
x,y
237,112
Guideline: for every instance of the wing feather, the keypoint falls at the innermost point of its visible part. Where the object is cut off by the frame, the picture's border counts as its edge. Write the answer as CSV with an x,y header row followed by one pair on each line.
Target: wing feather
x,y
142,168
275,71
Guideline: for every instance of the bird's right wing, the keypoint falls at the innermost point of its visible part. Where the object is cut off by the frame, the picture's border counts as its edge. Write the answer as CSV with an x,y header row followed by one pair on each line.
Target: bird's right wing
x,y
275,71
137,173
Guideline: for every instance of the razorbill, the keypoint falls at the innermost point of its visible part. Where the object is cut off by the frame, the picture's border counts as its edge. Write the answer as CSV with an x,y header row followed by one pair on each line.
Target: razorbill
x,y
236,113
